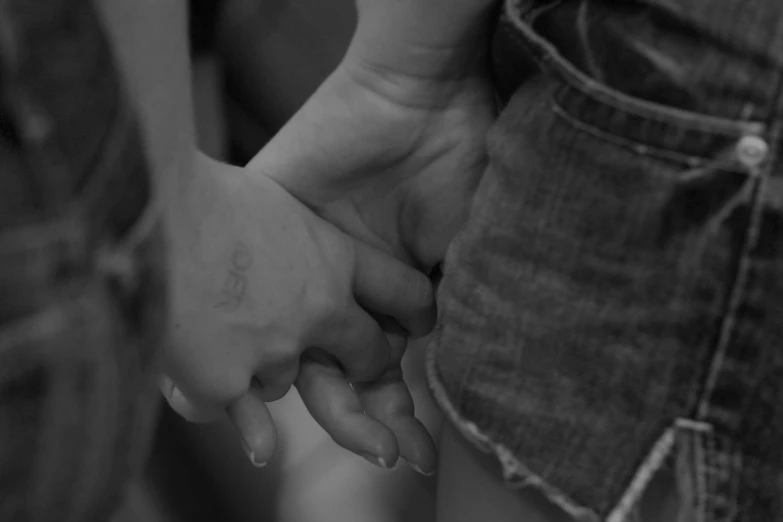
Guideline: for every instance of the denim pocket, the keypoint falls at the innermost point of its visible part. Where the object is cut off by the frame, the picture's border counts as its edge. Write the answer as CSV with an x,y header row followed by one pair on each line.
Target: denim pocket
x,y
616,114
721,58
82,270
583,303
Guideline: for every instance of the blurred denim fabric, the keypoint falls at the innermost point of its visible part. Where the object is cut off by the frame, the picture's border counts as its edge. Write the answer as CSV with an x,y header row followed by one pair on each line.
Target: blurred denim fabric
x,y
82,287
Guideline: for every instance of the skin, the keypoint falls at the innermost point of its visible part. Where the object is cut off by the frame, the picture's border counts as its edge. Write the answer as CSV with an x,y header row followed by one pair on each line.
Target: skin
x,y
416,72
470,488
256,278
394,150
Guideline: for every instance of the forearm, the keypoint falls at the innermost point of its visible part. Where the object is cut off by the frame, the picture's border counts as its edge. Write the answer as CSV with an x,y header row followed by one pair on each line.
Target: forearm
x,y
149,39
422,37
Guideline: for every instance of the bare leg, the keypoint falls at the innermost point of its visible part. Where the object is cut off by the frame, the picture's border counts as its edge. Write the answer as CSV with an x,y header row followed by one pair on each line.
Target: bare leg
x,y
470,488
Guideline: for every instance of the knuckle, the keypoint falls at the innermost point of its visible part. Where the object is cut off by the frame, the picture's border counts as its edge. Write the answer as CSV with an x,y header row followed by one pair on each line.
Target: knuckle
x,y
216,390
275,384
347,329
277,357
233,385
369,366
338,414
324,302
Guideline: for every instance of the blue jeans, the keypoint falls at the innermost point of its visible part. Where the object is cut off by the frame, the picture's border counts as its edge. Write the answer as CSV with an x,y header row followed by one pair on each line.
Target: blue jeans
x,y
612,307
82,279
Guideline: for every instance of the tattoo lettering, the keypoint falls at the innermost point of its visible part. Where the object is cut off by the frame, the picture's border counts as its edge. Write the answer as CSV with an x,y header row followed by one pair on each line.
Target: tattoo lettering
x,y
234,287
242,259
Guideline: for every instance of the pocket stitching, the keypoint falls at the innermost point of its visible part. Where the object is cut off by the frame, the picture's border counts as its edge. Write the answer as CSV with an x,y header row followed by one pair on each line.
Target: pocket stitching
x,y
639,107
641,149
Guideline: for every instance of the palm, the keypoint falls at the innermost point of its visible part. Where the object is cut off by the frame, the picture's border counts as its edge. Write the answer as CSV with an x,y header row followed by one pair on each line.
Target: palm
x,y
394,167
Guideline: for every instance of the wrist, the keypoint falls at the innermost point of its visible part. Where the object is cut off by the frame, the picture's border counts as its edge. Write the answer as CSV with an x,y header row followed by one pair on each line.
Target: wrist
x,y
422,38
190,199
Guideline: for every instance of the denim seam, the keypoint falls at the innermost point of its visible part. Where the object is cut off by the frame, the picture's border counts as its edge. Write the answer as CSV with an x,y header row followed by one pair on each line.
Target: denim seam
x,y
655,459
617,99
535,11
511,465
737,293
700,487
720,463
639,148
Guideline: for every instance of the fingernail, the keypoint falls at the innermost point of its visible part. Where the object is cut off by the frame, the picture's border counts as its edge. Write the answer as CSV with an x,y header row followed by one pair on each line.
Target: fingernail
x,y
420,471
251,455
176,395
378,461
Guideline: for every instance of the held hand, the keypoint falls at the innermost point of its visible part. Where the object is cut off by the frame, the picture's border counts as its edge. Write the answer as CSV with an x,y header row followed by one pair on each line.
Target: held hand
x,y
258,281
390,149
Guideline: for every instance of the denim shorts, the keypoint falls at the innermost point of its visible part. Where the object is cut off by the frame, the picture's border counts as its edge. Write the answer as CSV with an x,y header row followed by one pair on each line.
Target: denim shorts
x,y
82,270
614,305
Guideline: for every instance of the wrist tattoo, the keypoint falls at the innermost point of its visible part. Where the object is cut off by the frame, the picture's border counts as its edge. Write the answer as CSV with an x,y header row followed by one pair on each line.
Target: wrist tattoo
x,y
235,285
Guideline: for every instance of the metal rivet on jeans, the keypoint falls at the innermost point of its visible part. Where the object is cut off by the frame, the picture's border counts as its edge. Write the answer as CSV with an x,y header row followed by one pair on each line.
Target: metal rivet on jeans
x,y
751,150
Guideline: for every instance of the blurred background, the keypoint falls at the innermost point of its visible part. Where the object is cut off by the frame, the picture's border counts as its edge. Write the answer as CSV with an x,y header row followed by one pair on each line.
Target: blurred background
x,y
255,62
